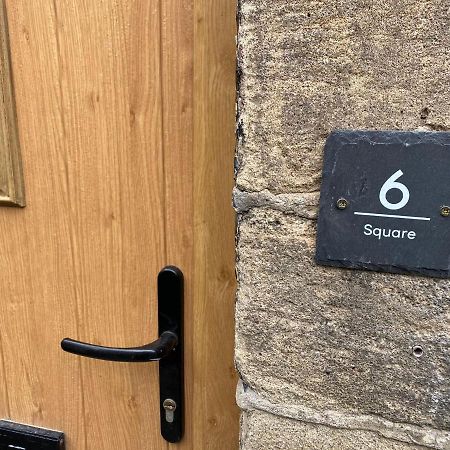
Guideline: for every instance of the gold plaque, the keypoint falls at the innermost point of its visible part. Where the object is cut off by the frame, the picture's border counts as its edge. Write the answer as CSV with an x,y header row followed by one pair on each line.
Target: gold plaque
x,y
11,178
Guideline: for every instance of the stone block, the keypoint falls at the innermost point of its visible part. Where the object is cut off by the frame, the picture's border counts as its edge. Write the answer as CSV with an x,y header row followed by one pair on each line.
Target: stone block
x,y
308,67
334,339
262,431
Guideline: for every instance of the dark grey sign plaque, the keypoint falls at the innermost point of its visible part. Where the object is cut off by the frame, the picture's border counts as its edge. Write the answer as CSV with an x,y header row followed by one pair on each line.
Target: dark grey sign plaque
x,y
385,202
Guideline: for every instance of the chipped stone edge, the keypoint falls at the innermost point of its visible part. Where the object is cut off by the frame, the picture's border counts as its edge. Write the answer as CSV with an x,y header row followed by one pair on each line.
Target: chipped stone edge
x,y
301,204
248,400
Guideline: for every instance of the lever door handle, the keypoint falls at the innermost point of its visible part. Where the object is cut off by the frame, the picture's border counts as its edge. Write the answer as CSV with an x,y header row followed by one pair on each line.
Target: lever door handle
x,y
154,351
168,350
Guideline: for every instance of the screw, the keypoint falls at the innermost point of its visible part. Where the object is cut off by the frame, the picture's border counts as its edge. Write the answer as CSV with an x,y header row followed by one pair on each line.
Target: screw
x,y
445,211
342,204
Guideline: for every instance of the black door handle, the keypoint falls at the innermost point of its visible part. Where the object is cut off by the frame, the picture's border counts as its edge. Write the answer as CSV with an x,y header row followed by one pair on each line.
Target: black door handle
x,y
168,350
150,352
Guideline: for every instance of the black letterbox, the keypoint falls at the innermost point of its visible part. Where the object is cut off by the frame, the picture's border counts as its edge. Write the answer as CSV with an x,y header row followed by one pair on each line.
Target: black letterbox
x,y
16,436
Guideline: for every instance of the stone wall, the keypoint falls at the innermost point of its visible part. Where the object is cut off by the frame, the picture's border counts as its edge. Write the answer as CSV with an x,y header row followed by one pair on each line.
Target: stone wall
x,y
325,355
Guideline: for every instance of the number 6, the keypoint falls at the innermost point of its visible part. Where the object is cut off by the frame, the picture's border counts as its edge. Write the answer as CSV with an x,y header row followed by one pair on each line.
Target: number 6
x,y
392,184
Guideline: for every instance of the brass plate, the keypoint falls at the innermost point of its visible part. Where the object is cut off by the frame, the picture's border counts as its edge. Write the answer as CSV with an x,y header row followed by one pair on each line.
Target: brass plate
x,y
11,177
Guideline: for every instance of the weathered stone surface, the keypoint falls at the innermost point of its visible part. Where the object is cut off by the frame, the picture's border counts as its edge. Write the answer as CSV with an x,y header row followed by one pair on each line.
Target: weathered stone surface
x,y
303,205
262,431
338,339
308,67
250,400
334,346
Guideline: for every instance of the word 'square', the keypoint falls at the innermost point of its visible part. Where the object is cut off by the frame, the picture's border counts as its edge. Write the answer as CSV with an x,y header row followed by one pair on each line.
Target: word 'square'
x,y
383,202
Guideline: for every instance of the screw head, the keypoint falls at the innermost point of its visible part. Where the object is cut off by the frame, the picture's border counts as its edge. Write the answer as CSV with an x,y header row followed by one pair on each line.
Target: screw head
x,y
342,203
445,211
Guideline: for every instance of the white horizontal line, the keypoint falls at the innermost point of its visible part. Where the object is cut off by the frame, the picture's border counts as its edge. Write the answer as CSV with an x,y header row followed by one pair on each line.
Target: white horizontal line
x,y
393,216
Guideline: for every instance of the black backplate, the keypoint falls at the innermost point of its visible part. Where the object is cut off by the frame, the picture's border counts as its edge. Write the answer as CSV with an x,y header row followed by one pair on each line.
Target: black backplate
x,y
171,378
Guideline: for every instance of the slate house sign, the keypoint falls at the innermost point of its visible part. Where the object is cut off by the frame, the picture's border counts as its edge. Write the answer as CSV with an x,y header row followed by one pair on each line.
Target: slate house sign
x,y
385,202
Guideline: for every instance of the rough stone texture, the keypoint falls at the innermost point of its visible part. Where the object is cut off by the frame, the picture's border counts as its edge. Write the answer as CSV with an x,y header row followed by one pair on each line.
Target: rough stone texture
x,y
262,431
304,205
338,339
250,400
332,341
308,67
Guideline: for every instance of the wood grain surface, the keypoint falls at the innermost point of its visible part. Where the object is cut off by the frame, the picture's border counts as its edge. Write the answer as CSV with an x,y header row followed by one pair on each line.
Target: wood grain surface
x,y
126,117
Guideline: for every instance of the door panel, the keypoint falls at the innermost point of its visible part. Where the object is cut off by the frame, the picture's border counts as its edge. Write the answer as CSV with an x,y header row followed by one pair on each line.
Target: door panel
x,y
125,113
177,41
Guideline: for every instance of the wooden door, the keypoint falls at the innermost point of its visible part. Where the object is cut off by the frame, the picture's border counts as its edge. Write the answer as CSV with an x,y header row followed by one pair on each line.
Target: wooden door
x,y
126,123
